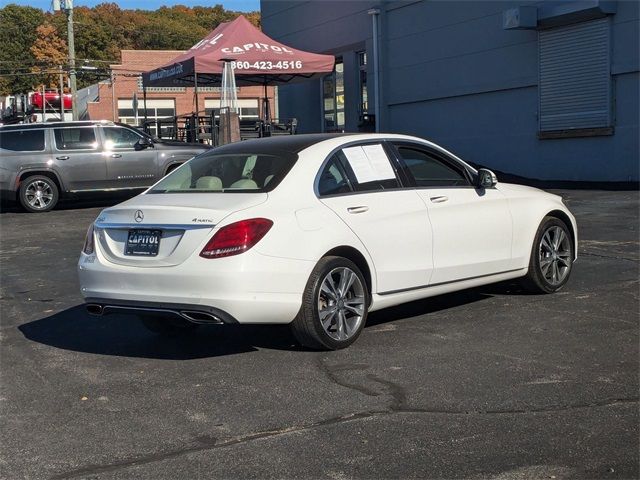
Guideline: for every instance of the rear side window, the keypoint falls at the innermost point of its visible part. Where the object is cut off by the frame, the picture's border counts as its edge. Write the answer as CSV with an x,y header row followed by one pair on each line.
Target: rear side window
x,y
430,171
333,178
22,140
233,173
80,138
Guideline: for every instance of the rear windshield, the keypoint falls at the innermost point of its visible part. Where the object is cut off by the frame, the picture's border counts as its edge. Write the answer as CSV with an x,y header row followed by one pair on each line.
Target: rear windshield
x,y
230,173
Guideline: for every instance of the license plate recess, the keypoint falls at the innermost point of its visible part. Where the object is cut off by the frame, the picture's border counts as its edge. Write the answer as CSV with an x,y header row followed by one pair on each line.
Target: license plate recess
x,y
143,242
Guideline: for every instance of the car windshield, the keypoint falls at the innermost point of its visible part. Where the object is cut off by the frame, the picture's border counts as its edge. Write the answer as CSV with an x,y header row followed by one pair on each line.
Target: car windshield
x,y
228,173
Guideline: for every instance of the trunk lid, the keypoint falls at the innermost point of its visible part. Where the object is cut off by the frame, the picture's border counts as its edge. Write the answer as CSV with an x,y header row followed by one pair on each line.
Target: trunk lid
x,y
184,222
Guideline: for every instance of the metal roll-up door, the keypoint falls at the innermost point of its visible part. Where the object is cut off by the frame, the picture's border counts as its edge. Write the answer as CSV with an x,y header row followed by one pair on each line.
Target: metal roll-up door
x,y
575,78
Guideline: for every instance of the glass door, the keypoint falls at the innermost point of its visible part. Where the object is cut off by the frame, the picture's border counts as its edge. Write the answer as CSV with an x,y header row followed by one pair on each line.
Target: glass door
x,y
333,99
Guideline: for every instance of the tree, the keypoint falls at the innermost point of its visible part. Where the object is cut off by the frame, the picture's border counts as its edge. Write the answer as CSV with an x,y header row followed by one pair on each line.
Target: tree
x,y
254,17
31,38
50,52
18,32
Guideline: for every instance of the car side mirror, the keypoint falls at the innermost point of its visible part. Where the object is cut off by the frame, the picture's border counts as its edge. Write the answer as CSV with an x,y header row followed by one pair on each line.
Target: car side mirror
x,y
143,143
486,178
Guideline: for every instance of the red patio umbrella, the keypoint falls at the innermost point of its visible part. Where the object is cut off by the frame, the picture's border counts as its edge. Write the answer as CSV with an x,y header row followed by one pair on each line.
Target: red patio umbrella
x,y
256,58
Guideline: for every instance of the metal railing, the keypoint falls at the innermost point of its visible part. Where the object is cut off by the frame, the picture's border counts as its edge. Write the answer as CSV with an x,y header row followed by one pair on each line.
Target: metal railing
x,y
194,128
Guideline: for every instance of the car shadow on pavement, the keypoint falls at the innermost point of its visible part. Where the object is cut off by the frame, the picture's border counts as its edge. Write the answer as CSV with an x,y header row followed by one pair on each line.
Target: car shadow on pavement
x,y
123,335
426,306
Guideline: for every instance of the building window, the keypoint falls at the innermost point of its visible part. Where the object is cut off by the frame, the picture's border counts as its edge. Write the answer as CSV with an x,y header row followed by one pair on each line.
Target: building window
x,y
333,99
248,107
363,104
156,109
575,80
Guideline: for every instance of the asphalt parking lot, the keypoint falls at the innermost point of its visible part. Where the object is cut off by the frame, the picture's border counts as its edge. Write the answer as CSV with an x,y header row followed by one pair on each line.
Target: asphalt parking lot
x,y
487,383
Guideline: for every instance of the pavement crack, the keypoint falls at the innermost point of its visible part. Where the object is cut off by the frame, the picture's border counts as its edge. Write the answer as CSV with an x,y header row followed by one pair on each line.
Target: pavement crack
x,y
520,411
610,257
205,443
397,392
332,371
398,406
132,462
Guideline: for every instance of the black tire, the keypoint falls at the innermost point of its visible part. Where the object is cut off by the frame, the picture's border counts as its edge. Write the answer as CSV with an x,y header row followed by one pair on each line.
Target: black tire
x,y
38,193
168,327
541,278
345,322
171,168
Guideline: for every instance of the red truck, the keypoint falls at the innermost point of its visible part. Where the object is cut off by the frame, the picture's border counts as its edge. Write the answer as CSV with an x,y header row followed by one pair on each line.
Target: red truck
x,y
52,98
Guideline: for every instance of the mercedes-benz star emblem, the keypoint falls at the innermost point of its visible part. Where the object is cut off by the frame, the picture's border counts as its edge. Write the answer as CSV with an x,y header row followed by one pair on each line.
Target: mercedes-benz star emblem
x,y
138,216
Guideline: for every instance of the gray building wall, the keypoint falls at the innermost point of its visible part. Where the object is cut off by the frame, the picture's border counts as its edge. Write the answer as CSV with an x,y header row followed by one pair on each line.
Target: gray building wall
x,y
449,72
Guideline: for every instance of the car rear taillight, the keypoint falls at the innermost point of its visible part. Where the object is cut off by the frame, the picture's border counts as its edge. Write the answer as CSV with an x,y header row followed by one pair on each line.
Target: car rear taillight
x,y
88,242
236,238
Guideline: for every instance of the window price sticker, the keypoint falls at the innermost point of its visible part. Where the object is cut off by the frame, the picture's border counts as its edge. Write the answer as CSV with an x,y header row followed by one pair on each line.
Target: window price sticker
x,y
369,163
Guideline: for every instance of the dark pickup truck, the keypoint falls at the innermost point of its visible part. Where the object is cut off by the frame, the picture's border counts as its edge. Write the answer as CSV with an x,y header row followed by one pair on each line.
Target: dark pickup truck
x,y
40,162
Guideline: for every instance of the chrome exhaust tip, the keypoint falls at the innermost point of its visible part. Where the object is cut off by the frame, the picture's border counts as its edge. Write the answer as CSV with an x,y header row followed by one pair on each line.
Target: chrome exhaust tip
x,y
94,309
195,316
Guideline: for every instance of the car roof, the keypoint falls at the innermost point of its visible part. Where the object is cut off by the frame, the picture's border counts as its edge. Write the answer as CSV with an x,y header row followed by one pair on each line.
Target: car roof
x,y
282,143
41,125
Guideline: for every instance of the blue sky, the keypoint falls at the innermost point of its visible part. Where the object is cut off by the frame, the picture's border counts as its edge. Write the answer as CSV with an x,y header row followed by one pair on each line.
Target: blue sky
x,y
239,5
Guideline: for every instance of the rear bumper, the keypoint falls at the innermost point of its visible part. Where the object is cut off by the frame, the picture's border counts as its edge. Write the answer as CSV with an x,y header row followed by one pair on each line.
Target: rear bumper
x,y
201,314
246,288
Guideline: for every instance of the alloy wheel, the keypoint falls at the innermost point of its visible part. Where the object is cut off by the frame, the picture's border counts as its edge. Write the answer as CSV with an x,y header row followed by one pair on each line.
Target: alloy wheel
x,y
341,303
555,255
38,194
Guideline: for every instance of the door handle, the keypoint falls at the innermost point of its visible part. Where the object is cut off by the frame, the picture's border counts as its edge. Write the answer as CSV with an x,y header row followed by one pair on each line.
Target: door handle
x,y
360,209
116,155
439,199
63,157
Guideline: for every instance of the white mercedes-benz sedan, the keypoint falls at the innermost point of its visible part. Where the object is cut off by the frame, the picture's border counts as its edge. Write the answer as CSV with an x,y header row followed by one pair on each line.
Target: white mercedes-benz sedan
x,y
317,231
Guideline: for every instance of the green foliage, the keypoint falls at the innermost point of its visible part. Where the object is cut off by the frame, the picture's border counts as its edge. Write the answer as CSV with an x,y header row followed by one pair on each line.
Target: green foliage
x,y
100,33
17,33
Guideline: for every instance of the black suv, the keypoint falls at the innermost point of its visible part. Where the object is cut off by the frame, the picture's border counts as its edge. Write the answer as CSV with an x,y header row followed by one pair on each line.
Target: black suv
x,y
41,161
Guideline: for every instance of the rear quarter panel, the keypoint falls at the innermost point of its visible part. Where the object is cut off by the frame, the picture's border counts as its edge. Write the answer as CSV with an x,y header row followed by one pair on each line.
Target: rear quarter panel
x,y
171,155
16,164
301,231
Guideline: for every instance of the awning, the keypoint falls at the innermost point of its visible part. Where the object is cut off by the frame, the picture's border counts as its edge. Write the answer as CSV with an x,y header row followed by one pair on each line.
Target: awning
x,y
257,60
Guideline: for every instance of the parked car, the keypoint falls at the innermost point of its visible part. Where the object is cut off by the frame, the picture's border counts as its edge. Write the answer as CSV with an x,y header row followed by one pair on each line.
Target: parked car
x,y
40,162
317,231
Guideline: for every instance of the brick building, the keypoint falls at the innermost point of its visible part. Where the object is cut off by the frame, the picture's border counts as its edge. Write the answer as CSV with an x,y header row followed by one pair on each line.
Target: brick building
x,y
162,102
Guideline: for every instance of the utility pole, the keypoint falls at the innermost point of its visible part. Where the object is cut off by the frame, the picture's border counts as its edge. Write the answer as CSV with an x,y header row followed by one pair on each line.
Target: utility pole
x,y
113,96
67,6
61,95
72,59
